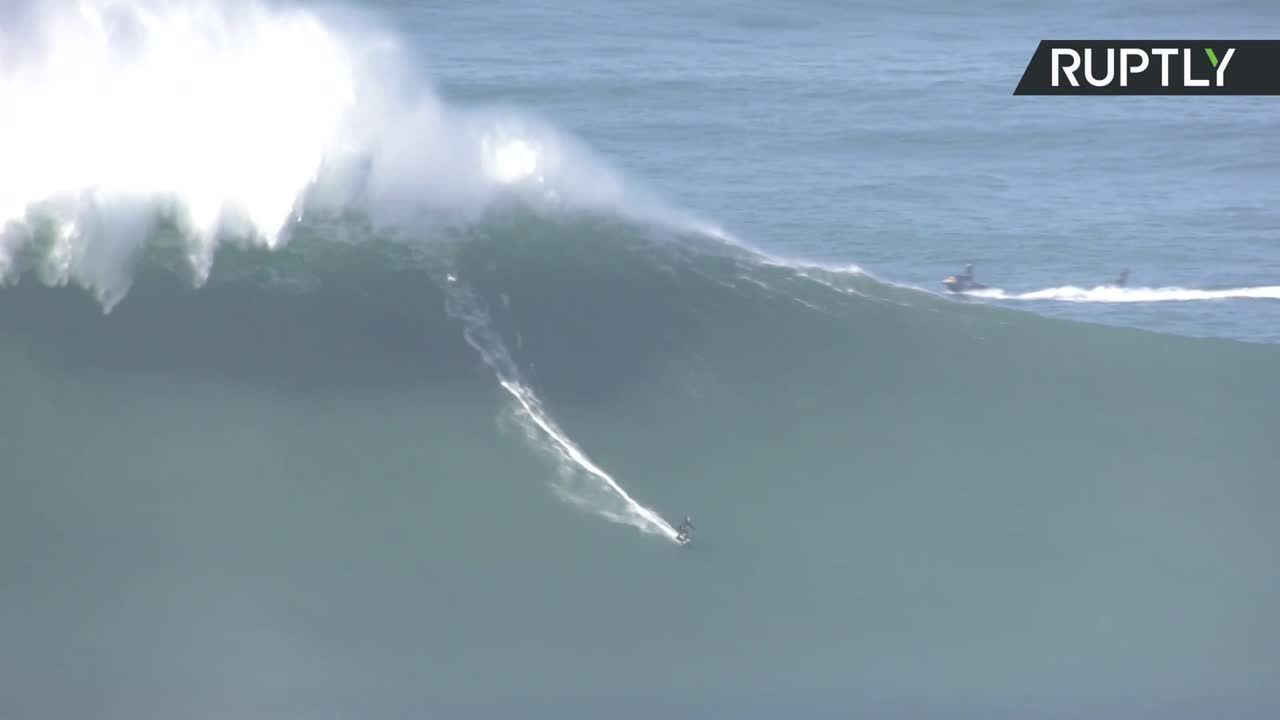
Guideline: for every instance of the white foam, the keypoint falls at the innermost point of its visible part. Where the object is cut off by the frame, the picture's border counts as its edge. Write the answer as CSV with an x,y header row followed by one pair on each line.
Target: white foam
x,y
233,118
217,111
1113,294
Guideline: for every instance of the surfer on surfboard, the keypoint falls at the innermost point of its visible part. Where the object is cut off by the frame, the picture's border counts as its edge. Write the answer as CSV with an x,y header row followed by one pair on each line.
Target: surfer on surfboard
x,y
685,530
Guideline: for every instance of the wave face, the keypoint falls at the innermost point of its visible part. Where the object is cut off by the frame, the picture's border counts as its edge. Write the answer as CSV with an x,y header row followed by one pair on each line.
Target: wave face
x,y
289,474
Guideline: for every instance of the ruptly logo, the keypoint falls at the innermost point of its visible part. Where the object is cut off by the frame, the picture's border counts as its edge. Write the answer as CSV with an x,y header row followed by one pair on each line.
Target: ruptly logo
x,y
1153,67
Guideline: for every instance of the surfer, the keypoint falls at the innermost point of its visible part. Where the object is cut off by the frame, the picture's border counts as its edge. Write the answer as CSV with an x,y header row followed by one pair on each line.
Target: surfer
x,y
685,530
1123,279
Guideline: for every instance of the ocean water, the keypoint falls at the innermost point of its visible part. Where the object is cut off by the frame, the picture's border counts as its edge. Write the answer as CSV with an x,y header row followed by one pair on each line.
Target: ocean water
x,y
888,137
360,361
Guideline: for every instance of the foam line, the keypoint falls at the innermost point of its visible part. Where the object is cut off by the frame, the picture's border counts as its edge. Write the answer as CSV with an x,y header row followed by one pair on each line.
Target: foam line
x,y
1112,294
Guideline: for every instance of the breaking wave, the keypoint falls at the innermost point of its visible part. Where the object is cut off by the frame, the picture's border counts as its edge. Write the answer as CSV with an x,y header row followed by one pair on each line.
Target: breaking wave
x,y
140,128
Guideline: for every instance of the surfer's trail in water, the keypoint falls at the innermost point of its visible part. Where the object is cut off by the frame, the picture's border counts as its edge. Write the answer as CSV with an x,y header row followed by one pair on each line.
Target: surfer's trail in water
x,y
581,481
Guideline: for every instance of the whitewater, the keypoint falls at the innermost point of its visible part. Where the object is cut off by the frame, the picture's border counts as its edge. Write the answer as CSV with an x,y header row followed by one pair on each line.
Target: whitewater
x,y
1112,294
230,121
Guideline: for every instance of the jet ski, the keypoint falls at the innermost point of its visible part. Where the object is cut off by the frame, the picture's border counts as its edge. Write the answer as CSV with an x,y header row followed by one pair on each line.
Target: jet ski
x,y
957,284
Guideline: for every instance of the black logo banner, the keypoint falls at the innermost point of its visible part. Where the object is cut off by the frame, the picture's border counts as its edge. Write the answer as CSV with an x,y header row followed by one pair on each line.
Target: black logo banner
x,y
1153,67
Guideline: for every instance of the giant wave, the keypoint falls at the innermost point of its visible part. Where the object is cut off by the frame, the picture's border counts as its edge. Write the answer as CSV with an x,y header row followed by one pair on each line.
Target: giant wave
x,y
282,435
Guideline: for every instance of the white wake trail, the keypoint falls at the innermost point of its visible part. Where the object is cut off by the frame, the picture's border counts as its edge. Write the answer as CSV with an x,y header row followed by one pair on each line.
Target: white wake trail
x,y
582,481
1112,294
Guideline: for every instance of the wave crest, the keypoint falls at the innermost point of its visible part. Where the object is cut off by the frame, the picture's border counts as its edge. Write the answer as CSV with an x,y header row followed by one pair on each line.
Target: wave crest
x,y
222,122
1113,294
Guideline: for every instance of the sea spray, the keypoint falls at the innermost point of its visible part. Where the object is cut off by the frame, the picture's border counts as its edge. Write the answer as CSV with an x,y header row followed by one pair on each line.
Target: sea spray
x,y
213,115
